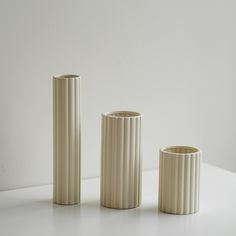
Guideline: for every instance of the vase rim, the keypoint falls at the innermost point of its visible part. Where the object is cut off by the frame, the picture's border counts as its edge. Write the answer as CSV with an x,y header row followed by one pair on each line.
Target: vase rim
x,y
122,114
180,150
67,76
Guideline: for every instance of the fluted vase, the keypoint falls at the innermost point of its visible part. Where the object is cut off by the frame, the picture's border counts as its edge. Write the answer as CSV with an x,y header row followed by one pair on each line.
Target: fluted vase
x,y
66,139
179,179
121,159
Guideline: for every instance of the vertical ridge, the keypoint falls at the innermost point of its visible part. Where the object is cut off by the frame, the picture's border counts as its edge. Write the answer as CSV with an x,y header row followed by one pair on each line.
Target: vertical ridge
x,y
66,157
108,164
131,163
102,160
187,183
114,155
168,184
182,183
72,170
55,138
176,195
192,183
160,181
62,141
76,182
126,163
136,167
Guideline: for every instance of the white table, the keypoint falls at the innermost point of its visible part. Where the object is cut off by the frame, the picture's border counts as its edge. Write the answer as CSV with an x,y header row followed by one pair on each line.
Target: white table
x,y
30,211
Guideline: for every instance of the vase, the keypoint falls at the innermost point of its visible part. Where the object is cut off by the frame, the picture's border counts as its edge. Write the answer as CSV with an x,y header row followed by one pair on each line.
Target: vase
x,y
66,139
179,179
121,159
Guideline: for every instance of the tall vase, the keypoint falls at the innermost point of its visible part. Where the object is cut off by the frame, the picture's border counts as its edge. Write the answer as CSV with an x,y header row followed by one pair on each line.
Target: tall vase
x,y
121,159
179,179
66,139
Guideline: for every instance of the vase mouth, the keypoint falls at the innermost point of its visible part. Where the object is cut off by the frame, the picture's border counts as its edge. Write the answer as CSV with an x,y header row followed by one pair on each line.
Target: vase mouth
x,y
67,76
180,150
122,114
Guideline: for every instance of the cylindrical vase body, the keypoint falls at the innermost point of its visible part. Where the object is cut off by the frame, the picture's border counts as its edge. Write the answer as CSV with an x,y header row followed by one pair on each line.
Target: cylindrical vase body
x,y
66,139
179,179
121,159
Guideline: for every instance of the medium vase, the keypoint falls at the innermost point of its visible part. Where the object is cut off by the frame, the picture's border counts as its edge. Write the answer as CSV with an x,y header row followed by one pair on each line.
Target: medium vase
x,y
121,159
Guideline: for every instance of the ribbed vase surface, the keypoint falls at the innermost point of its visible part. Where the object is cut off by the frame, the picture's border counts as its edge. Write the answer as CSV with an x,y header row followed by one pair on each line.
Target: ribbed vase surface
x,y
179,179
121,159
66,139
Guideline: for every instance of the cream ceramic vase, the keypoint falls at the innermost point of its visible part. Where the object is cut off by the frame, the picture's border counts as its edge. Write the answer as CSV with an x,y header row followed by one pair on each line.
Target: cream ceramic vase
x,y
179,179
66,139
121,159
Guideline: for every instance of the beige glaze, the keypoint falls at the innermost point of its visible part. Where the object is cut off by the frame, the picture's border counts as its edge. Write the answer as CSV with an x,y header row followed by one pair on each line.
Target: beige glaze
x,y
66,139
121,159
179,180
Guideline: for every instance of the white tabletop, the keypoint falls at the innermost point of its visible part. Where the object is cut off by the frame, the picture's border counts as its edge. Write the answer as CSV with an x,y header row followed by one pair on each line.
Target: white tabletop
x,y
30,211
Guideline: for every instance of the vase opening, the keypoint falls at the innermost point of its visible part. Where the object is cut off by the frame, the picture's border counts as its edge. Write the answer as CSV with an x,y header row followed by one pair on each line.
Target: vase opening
x,y
180,150
66,76
122,114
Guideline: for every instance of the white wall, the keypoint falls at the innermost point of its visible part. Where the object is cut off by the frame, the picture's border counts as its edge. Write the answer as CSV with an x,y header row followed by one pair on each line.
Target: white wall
x,y
174,61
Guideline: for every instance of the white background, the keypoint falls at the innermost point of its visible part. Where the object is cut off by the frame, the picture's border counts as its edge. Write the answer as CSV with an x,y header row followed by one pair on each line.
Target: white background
x,y
173,61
